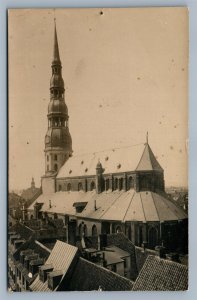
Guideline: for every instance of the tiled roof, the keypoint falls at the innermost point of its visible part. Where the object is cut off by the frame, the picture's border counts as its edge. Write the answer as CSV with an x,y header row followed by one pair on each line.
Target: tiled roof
x,y
117,205
141,256
22,230
90,277
161,275
61,258
137,157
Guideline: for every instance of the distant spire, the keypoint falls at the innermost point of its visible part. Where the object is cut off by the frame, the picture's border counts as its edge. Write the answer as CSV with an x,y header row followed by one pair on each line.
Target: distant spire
x,y
56,56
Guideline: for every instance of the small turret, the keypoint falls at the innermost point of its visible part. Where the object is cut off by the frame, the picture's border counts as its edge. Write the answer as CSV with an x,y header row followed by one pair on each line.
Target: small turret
x,y
99,177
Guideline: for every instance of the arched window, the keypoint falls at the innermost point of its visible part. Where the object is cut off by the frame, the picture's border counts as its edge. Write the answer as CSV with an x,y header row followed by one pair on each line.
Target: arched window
x,y
80,186
118,229
60,187
107,184
68,187
55,157
94,230
120,183
47,158
152,237
140,237
130,183
47,168
92,186
55,167
116,184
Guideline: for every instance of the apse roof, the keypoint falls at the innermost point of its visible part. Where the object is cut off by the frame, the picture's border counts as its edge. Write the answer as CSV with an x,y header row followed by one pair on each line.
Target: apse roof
x,y
117,205
138,157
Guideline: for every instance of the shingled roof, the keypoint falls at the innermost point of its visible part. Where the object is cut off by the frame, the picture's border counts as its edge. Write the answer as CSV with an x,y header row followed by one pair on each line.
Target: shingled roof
x,y
137,157
161,275
88,276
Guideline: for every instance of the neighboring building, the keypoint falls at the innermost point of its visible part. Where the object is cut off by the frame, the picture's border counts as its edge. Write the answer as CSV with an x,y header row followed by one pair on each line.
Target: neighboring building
x,y
159,274
25,254
121,190
30,194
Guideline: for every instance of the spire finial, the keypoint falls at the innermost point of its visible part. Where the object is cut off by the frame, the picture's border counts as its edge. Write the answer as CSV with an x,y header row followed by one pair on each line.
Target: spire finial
x,y
147,137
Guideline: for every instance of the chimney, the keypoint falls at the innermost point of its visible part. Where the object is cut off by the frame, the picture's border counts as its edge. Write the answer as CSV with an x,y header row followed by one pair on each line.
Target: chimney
x,y
144,245
160,251
104,261
43,270
103,241
54,279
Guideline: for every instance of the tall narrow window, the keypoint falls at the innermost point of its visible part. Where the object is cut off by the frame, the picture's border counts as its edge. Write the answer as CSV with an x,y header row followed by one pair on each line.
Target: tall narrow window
x,y
94,230
55,157
47,158
55,167
130,183
120,187
116,184
68,187
107,185
80,186
92,186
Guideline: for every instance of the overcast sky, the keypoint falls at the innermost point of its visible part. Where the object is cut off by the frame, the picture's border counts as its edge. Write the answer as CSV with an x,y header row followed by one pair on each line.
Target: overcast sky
x,y
125,73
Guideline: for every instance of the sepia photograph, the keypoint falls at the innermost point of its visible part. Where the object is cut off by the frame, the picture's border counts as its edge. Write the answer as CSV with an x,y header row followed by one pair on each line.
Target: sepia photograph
x,y
98,149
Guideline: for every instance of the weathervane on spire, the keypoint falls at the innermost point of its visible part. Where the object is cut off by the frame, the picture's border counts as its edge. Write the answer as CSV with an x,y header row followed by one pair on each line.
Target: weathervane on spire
x,y
147,137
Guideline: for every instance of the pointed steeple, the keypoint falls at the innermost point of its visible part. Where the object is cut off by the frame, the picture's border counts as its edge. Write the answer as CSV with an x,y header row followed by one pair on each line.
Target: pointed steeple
x,y
148,161
56,55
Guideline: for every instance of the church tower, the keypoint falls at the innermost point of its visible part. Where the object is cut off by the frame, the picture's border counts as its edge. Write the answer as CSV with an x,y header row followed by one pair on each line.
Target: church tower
x,y
58,142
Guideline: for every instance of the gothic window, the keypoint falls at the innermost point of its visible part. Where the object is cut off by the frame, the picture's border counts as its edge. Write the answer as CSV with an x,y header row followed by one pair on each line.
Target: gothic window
x,y
55,167
120,187
92,186
140,237
47,158
94,230
85,230
107,184
80,230
68,187
130,183
55,157
152,237
80,186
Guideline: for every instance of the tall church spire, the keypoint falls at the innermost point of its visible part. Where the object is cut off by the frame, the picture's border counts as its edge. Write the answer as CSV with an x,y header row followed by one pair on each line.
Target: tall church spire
x,y
56,55
58,142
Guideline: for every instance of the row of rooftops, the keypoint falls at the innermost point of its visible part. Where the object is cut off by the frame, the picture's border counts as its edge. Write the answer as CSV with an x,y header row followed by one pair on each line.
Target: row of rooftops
x,y
64,268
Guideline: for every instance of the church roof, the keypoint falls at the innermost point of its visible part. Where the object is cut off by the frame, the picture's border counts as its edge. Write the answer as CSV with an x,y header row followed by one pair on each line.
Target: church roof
x,y
135,158
117,205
